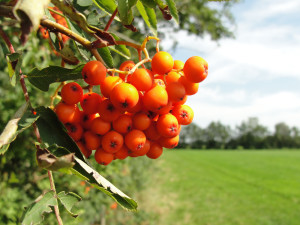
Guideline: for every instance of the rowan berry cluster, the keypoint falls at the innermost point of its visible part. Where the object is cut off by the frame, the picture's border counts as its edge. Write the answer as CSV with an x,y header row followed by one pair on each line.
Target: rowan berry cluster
x,y
139,112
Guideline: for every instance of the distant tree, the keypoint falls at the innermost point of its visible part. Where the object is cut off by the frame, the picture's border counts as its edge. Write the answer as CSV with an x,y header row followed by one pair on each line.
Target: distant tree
x,y
251,134
282,135
190,134
216,135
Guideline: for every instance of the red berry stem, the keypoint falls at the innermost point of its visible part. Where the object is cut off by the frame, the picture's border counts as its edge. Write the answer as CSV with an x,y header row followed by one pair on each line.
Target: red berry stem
x,y
111,19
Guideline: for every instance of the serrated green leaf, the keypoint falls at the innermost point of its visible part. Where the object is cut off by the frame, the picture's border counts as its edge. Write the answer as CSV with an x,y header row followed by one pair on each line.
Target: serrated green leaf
x,y
149,17
53,132
68,201
173,10
81,169
43,78
109,6
125,12
34,213
22,120
106,56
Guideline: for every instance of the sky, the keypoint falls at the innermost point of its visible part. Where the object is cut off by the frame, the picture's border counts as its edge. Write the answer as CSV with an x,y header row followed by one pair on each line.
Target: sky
x,y
256,74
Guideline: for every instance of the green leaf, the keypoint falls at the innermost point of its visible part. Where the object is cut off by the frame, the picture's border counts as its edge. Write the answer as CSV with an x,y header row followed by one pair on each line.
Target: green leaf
x,y
121,49
43,78
68,201
81,169
117,50
14,62
34,213
53,132
149,3
173,10
125,12
149,17
48,161
109,6
22,120
68,55
131,3
106,56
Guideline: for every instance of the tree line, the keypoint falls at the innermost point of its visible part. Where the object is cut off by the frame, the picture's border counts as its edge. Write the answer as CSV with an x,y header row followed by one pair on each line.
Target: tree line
x,y
250,134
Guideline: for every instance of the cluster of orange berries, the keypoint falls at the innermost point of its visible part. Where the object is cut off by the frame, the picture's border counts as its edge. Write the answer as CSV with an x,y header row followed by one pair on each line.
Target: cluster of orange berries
x,y
138,112
59,19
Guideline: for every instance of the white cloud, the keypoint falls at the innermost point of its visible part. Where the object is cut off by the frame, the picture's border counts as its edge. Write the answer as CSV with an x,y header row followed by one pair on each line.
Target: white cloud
x,y
270,109
267,46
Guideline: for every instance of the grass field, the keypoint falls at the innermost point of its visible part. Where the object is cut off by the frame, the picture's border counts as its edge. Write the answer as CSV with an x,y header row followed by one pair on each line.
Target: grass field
x,y
228,188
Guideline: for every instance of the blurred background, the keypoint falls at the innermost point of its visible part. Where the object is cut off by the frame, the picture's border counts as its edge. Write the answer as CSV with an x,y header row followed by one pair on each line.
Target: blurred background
x,y
237,163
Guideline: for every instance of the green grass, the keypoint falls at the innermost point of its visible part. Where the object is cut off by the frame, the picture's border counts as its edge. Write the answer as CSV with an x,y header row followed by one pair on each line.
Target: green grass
x,y
229,188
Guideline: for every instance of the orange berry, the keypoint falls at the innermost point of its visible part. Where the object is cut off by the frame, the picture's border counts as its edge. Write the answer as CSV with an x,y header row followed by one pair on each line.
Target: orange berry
x,y
86,119
123,124
195,69
108,84
71,93
167,125
176,91
124,96
102,157
141,121
183,113
92,141
67,113
166,109
151,132
172,77
99,126
90,102
94,72
143,151
75,131
178,65
108,111
138,107
122,153
135,140
190,87
126,66
155,98
162,62
167,142
155,150
142,79
112,141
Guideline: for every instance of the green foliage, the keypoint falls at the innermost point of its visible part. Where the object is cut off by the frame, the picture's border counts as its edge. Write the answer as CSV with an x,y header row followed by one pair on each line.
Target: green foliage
x,y
43,78
33,214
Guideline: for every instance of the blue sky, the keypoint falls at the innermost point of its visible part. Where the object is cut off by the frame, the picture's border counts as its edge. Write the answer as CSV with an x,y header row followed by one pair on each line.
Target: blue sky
x,y
257,74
